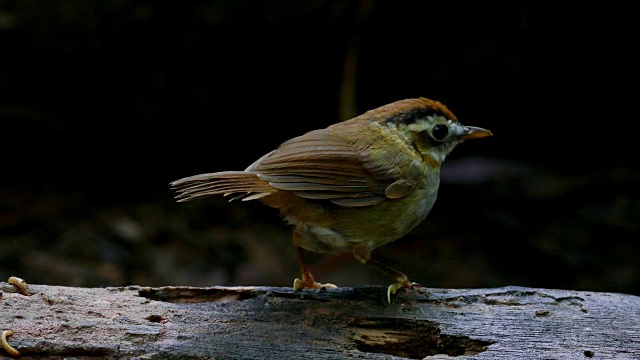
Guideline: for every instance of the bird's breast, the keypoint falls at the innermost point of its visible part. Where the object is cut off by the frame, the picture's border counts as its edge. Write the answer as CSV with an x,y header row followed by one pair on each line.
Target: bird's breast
x,y
323,227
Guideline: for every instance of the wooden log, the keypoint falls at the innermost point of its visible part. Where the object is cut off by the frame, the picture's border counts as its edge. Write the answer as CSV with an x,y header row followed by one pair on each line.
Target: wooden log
x,y
279,323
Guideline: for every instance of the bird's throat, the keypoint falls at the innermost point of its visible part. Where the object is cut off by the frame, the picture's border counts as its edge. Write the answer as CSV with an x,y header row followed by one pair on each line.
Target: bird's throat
x,y
432,161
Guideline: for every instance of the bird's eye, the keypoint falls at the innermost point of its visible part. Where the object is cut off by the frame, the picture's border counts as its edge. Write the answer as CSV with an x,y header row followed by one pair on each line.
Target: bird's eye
x,y
439,132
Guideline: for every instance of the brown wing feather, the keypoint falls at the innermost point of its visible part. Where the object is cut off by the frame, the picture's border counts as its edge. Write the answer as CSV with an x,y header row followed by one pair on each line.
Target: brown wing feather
x,y
248,185
321,165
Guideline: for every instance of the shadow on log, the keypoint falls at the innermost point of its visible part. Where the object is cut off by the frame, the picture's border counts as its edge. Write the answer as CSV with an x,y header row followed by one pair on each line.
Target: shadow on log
x,y
279,323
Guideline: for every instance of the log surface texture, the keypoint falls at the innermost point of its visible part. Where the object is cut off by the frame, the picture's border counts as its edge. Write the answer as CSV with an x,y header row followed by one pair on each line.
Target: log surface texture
x,y
135,322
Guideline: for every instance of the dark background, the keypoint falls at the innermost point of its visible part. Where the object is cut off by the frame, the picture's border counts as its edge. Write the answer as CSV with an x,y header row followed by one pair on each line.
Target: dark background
x,y
102,104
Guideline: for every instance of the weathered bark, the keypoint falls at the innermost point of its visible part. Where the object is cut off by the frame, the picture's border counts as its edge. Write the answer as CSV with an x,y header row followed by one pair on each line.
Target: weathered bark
x,y
278,323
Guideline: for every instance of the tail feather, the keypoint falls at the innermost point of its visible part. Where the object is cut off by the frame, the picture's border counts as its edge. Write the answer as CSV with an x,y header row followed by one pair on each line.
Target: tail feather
x,y
244,185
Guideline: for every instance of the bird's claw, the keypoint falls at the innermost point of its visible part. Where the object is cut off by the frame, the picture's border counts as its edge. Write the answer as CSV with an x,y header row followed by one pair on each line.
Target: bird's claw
x,y
393,288
301,284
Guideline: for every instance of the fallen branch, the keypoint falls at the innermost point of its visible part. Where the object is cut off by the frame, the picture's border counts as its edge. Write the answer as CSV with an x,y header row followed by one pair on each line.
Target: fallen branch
x,y
278,323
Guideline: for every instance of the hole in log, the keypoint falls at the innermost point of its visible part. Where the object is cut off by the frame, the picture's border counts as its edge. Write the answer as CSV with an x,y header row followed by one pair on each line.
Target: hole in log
x,y
412,339
154,318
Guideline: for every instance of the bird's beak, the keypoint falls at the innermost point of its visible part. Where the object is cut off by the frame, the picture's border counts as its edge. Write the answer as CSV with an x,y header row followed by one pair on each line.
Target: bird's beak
x,y
472,132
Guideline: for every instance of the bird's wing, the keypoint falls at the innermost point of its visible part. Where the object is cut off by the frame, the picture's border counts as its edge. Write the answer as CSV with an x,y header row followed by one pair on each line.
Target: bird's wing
x,y
323,165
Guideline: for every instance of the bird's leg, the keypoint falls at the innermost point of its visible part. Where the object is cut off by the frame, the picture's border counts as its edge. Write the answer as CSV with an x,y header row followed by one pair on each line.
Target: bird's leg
x,y
307,281
363,255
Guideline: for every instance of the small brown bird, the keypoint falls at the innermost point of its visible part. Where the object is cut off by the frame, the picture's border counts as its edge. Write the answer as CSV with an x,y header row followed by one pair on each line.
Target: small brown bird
x,y
353,186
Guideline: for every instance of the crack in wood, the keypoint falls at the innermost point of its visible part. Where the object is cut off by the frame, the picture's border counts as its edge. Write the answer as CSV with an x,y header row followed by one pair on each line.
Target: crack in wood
x,y
187,294
192,295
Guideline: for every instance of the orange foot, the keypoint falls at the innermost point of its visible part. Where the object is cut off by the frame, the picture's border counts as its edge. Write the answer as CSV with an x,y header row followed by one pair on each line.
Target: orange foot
x,y
308,282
